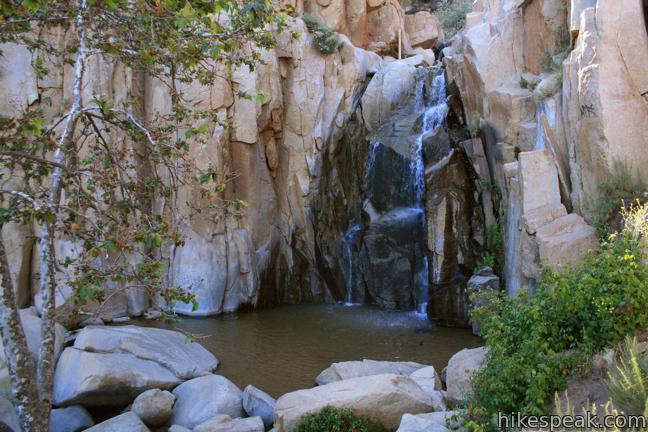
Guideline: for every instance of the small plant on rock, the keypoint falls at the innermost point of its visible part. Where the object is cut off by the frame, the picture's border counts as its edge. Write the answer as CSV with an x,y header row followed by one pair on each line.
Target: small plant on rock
x,y
332,419
325,40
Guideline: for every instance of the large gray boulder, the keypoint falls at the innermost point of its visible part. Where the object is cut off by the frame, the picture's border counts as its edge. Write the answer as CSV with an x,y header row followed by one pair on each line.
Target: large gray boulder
x,y
122,423
427,378
382,398
428,422
166,347
431,422
154,406
259,403
250,424
355,369
70,419
112,365
201,399
458,373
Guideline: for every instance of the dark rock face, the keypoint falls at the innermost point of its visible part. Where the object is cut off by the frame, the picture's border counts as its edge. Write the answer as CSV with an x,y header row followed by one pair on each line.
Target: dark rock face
x,y
454,230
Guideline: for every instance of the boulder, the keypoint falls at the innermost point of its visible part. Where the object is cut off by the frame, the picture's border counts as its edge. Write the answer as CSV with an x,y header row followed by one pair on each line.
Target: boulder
x,y
539,180
250,424
430,422
178,428
565,240
168,348
355,369
424,29
418,423
71,419
389,90
8,415
213,422
382,398
460,367
200,399
112,365
154,406
122,423
97,379
257,403
427,378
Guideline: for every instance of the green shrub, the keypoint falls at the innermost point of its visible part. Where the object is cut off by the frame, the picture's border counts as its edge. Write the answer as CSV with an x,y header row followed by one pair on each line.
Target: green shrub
x,y
620,187
493,256
628,381
337,420
326,40
536,342
452,15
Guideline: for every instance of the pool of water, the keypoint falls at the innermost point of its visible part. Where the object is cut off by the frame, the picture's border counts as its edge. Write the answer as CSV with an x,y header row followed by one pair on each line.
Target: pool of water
x,y
283,349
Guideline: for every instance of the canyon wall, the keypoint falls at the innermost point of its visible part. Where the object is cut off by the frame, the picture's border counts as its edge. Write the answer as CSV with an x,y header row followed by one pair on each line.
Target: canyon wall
x,y
556,90
272,149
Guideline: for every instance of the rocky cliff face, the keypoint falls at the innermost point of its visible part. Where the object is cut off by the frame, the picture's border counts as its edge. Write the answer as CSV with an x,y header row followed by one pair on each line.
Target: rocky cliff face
x,y
559,98
273,152
357,190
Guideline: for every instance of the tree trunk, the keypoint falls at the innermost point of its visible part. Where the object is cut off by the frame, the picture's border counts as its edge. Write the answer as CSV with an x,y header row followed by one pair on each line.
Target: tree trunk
x,y
32,416
46,243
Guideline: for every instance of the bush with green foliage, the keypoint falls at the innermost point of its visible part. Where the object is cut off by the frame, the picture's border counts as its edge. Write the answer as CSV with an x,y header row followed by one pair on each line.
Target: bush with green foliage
x,y
332,419
536,342
627,384
620,187
326,40
493,257
452,15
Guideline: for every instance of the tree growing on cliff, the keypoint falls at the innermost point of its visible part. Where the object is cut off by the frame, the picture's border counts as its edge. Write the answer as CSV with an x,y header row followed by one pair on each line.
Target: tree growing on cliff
x,y
98,174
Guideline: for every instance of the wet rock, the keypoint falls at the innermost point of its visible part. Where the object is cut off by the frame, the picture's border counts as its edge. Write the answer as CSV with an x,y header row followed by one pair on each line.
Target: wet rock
x,y
454,222
258,403
250,424
391,257
460,367
355,369
124,422
70,419
154,406
111,365
200,399
382,398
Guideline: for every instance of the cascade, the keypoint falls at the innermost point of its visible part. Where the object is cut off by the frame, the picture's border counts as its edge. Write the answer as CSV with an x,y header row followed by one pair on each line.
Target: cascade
x,y
382,254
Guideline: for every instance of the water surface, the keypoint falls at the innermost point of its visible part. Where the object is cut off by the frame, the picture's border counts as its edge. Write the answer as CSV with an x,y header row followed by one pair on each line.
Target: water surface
x,y
283,349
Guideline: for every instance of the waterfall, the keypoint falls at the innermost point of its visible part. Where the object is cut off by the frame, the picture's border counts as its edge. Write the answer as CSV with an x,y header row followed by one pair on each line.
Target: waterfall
x,y
383,256
435,109
547,109
348,242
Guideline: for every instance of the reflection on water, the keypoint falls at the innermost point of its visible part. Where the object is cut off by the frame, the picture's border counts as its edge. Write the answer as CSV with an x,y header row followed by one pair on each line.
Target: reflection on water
x,y
283,349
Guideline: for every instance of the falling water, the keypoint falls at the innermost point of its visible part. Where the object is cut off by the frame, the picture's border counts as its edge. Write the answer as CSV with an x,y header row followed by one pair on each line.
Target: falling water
x,y
435,111
545,109
348,241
